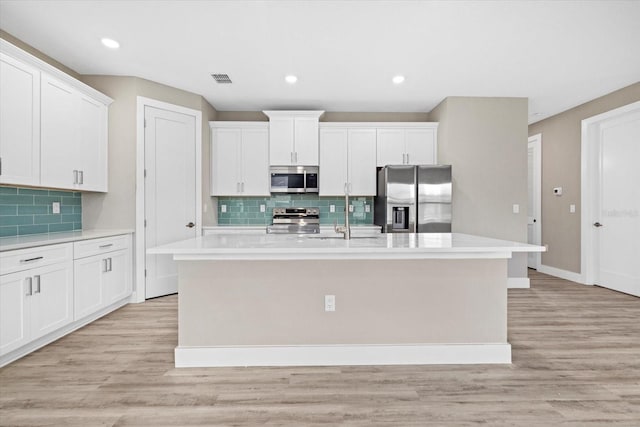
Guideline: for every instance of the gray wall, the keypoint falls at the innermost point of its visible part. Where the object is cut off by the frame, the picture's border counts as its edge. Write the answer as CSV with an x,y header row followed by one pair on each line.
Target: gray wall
x,y
561,163
485,140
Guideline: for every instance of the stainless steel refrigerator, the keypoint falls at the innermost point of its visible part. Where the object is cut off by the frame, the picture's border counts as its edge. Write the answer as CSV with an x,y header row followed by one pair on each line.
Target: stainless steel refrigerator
x,y
414,199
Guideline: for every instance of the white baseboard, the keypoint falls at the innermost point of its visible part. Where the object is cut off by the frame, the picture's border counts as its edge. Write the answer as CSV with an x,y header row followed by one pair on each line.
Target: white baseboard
x,y
563,274
518,283
334,355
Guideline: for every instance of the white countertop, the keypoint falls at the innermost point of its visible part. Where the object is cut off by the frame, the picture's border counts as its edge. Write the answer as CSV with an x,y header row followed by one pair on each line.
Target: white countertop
x,y
33,240
359,229
381,246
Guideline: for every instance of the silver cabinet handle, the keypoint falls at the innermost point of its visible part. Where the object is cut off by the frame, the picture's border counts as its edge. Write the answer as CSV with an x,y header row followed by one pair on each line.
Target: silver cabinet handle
x,y
75,176
105,267
345,188
31,259
296,157
408,161
81,173
29,286
105,246
291,157
242,187
110,265
37,280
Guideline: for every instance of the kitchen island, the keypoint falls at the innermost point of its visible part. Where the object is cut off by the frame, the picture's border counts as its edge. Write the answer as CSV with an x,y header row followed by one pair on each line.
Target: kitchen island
x,y
273,300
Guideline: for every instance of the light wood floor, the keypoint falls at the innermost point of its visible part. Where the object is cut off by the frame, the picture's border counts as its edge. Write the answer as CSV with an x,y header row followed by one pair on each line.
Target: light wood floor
x,y
576,362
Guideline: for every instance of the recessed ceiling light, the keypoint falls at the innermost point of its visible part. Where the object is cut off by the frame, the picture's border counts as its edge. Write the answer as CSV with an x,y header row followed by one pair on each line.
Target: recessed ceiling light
x,y
291,79
110,43
397,79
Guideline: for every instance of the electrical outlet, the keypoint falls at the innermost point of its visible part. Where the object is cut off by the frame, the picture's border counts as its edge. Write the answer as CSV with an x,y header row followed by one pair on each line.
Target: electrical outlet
x,y
223,208
572,208
516,208
263,208
329,303
332,208
350,208
55,207
367,208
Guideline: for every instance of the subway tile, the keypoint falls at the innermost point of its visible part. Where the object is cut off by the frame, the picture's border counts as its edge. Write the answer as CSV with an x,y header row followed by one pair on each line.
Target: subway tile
x,y
77,226
6,199
32,229
75,201
46,200
72,218
33,210
8,210
8,190
46,219
76,209
8,231
61,193
16,220
77,194
64,209
54,228
33,192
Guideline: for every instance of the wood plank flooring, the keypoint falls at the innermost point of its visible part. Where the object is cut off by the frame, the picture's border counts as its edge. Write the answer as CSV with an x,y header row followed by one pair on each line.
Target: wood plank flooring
x,y
576,362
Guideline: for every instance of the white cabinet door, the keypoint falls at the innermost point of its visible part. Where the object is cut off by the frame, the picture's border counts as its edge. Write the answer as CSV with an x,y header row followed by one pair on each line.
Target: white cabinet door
x,y
87,290
117,279
281,137
390,147
15,315
306,141
91,147
225,162
362,162
255,162
333,162
420,146
20,122
52,300
58,134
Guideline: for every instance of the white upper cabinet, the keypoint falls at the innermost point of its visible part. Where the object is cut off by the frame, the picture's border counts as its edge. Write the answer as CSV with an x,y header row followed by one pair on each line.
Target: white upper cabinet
x,y
20,122
239,159
347,161
407,144
293,137
54,127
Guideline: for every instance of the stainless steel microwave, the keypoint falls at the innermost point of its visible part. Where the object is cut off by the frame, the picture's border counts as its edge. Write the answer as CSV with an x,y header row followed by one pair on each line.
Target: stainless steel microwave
x,y
294,179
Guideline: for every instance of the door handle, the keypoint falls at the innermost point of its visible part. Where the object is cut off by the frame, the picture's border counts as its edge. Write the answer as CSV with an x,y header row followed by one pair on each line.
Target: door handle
x,y
81,174
30,286
105,265
242,187
597,224
37,280
109,260
75,176
191,225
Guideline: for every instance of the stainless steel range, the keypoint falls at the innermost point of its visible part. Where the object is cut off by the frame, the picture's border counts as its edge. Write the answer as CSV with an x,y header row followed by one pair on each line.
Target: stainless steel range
x,y
295,221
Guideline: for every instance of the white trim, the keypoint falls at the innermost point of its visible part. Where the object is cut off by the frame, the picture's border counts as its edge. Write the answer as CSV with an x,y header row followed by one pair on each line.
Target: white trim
x,y
382,125
536,142
563,274
140,245
233,125
335,355
17,53
589,161
518,283
59,333
294,113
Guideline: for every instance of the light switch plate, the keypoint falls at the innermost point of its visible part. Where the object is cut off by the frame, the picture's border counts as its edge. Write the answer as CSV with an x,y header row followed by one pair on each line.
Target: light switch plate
x,y
329,303
55,207
572,208
332,208
263,208
223,208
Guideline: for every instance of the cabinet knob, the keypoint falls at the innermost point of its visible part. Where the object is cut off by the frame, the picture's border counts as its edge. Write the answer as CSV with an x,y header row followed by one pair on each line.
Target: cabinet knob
x,y
191,225
597,224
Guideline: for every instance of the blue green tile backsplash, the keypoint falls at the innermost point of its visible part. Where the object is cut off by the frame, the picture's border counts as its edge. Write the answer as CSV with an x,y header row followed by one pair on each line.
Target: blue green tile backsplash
x,y
246,210
29,211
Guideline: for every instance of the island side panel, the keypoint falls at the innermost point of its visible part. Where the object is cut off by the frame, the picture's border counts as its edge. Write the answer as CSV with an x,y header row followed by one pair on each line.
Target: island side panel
x,y
235,303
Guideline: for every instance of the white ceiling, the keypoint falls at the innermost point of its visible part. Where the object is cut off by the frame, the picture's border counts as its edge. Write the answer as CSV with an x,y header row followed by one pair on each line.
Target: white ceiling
x,y
558,54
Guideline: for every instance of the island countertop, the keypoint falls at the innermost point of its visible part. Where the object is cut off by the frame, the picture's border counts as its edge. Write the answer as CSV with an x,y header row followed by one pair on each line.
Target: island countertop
x,y
309,247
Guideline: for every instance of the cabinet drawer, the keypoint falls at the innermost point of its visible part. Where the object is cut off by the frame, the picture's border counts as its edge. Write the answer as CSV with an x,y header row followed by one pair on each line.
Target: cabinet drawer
x,y
91,247
24,259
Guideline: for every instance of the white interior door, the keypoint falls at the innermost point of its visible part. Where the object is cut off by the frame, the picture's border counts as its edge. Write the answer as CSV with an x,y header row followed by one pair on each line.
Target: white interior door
x,y
617,215
170,192
534,225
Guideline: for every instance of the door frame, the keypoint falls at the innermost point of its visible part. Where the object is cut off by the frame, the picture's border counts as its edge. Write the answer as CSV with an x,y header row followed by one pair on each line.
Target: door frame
x,y
590,171
536,140
140,246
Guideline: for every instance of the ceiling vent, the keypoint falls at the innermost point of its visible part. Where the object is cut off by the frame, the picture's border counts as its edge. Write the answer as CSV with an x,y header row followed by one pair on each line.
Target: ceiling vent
x,y
221,78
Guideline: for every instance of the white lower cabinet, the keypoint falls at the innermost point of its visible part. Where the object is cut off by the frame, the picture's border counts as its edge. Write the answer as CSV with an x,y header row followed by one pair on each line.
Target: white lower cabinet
x,y
48,291
34,302
102,271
